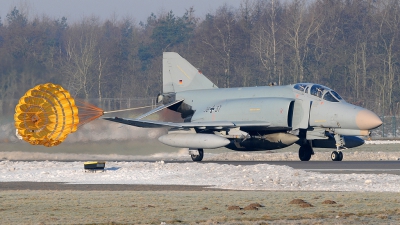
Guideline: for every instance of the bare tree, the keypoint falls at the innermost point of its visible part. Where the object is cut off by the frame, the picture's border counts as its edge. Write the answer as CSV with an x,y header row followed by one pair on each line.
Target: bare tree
x,y
389,30
82,57
220,39
300,26
100,68
265,42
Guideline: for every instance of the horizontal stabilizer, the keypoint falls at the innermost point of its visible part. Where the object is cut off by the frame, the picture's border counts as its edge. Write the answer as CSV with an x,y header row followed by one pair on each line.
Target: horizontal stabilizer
x,y
142,123
158,109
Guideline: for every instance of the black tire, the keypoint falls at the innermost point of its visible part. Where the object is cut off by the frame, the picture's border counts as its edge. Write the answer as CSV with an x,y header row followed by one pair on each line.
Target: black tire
x,y
199,157
305,153
335,156
340,156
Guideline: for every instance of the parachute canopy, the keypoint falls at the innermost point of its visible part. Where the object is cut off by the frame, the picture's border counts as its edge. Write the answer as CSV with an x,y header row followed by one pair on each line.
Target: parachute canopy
x,y
47,113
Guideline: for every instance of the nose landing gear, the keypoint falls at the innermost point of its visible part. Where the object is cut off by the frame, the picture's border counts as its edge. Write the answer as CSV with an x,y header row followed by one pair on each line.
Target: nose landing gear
x,y
338,154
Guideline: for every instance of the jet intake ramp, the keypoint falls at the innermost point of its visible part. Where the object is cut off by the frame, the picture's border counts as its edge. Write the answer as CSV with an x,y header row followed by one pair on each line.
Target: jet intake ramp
x,y
301,114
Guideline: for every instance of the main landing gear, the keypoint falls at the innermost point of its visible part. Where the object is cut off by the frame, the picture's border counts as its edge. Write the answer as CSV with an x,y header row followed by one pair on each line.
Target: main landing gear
x,y
305,152
196,154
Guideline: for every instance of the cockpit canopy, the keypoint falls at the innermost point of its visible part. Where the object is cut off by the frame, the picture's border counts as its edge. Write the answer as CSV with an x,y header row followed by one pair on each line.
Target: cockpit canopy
x,y
319,91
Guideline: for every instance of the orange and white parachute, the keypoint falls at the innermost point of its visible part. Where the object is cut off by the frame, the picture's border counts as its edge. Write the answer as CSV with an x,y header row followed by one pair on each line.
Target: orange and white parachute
x,y
47,113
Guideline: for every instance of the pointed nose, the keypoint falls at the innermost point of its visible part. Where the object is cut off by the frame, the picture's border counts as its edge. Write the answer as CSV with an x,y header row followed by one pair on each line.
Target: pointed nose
x,y
367,120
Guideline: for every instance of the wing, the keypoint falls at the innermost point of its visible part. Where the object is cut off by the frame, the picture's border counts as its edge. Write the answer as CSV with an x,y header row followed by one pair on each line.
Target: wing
x,y
213,125
209,125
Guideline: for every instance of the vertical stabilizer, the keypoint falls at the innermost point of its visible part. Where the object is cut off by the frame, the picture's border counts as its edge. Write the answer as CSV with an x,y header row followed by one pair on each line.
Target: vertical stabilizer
x,y
180,75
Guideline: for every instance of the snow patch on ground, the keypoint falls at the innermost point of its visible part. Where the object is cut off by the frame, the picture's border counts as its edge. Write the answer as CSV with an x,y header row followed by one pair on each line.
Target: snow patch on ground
x,y
251,177
183,155
382,142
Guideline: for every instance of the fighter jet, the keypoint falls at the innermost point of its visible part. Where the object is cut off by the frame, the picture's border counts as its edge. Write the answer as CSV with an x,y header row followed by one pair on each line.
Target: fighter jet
x,y
254,118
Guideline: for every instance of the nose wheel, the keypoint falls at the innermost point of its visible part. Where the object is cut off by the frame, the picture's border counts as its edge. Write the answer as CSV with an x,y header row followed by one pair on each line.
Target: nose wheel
x,y
337,156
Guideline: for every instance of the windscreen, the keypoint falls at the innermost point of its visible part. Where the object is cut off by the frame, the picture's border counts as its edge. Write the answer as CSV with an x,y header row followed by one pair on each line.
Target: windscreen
x,y
336,95
328,96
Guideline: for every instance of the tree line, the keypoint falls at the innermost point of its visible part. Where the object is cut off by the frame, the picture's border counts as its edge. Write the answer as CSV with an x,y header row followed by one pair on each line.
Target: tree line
x,y
351,46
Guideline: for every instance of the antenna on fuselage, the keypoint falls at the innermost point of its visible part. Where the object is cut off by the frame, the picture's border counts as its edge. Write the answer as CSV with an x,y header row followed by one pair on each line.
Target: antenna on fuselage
x,y
272,84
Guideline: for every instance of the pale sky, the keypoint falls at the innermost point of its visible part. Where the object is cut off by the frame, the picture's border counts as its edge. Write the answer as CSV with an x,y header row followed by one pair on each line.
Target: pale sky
x,y
75,10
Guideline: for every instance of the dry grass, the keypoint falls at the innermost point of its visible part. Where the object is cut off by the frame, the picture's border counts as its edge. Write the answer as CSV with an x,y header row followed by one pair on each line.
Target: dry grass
x,y
197,207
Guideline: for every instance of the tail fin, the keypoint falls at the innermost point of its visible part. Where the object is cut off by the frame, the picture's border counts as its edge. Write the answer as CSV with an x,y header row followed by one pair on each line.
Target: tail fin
x,y
180,75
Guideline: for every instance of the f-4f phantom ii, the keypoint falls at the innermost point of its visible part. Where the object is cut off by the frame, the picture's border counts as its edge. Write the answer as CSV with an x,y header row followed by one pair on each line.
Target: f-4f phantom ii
x,y
254,118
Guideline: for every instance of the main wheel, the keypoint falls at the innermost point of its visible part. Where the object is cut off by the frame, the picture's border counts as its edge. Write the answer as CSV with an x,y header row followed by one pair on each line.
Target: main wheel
x,y
305,153
199,157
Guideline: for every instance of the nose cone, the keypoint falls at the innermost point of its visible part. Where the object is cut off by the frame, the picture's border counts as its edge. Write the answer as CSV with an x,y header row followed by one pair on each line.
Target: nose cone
x,y
367,120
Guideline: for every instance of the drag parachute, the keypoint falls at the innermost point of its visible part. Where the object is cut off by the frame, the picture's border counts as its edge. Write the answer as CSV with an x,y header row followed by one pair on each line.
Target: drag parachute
x,y
47,113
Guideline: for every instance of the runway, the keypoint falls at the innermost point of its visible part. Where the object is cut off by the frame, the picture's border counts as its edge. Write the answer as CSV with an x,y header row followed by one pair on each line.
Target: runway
x,y
348,167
